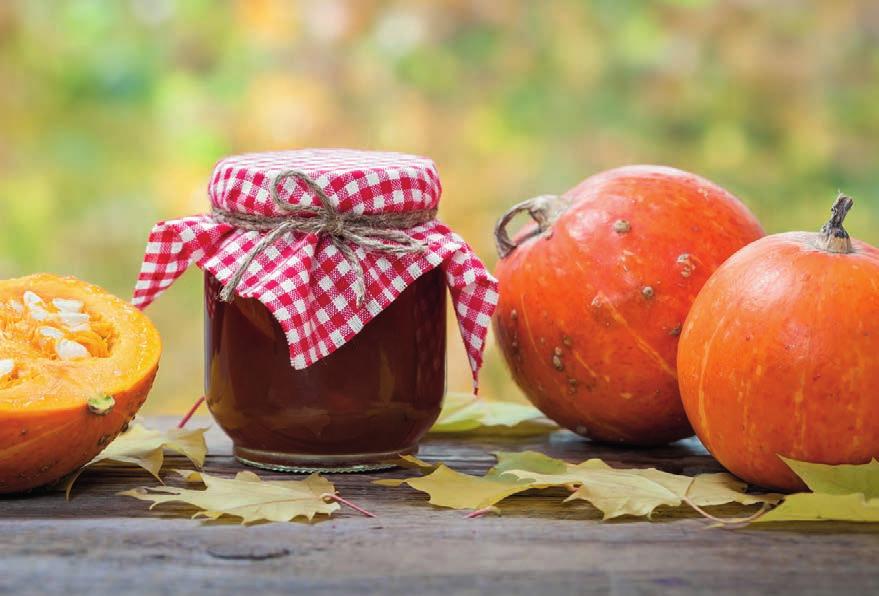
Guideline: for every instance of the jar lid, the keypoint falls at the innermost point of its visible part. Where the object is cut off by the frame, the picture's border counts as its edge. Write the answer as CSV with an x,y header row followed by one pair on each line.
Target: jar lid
x,y
326,239
364,182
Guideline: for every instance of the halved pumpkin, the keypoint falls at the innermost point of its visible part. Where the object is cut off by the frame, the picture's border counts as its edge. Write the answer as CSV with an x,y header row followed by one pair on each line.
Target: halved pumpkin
x,y
76,363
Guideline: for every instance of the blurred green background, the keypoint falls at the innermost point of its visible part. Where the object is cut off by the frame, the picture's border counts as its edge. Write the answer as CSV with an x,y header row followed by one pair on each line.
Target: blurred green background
x,y
112,115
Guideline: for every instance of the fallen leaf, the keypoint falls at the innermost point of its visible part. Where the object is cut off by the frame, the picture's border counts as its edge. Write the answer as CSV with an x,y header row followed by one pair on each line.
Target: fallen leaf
x,y
638,492
823,507
845,492
615,492
247,496
533,461
843,479
410,461
721,488
448,488
144,447
466,413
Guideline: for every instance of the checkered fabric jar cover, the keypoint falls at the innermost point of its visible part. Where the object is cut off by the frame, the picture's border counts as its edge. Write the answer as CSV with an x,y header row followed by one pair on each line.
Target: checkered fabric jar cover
x,y
302,278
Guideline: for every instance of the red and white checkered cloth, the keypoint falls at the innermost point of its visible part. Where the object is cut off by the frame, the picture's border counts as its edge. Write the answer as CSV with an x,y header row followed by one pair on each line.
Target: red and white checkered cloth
x,y
302,278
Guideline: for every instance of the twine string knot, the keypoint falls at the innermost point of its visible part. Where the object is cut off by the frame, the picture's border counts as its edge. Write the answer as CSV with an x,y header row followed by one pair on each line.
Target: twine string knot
x,y
383,232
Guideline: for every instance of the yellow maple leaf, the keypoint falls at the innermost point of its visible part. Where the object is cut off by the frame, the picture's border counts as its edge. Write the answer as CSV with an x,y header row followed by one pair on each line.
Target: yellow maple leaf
x,y
410,461
639,491
466,413
615,492
144,447
824,507
448,488
533,461
247,496
843,479
845,492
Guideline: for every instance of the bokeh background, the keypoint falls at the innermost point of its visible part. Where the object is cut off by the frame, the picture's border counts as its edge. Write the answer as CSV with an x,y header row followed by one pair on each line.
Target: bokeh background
x,y
112,115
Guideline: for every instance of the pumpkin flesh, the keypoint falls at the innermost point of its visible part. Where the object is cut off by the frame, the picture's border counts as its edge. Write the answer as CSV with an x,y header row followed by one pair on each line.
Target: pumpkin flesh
x,y
64,342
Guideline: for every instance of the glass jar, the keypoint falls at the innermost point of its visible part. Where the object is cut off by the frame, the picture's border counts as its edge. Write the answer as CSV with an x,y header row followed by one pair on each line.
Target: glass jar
x,y
356,409
325,303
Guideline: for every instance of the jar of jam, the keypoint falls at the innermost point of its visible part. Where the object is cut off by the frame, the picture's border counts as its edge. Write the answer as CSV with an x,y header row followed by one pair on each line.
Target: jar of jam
x,y
325,304
368,401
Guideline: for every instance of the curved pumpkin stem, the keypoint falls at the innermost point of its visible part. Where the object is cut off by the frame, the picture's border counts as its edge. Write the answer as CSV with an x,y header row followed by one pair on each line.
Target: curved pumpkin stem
x,y
544,210
833,237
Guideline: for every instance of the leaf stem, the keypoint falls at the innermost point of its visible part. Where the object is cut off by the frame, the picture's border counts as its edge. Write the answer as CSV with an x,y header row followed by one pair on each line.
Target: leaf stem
x,y
191,411
726,521
481,512
336,497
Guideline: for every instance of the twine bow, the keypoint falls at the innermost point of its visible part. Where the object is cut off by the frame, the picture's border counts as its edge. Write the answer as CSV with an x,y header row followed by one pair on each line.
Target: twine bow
x,y
382,232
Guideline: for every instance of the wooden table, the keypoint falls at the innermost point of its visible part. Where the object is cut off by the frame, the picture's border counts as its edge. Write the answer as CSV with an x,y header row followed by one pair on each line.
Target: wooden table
x,y
105,544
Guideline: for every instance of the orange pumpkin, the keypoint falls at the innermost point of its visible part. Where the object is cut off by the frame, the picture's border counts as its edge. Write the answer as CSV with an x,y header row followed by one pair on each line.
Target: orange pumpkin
x,y
76,363
780,355
592,298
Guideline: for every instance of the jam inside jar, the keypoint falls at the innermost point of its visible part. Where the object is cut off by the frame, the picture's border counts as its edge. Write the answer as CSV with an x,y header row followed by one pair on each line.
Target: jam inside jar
x,y
353,410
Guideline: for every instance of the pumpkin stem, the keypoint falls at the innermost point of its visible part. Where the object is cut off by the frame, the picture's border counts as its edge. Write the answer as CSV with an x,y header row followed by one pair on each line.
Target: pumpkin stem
x,y
101,404
544,210
833,237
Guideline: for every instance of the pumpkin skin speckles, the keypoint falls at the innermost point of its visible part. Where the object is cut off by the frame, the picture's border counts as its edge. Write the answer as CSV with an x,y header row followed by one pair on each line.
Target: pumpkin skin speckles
x,y
611,238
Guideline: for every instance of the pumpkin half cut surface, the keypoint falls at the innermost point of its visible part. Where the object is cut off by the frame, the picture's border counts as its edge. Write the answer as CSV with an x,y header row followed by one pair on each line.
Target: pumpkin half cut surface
x,y
76,363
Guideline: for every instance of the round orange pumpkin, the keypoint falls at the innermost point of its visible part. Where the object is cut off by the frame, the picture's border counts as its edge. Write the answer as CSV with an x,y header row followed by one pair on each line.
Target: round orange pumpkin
x,y
780,355
593,297
76,363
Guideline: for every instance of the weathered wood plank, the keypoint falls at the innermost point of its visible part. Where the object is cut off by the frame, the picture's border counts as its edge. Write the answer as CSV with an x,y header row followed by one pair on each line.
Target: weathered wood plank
x,y
103,543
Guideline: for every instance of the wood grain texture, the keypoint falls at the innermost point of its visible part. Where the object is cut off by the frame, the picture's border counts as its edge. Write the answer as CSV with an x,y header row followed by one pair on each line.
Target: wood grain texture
x,y
104,544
